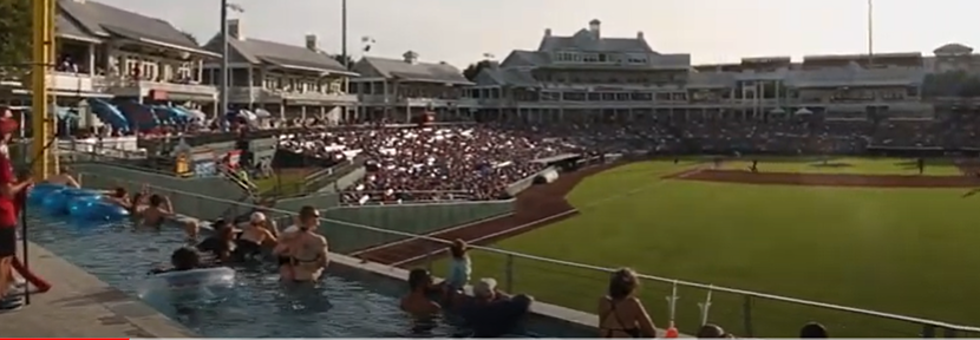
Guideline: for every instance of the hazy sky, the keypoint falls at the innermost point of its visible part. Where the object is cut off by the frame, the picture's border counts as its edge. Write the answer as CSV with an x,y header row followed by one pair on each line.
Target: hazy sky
x,y
461,31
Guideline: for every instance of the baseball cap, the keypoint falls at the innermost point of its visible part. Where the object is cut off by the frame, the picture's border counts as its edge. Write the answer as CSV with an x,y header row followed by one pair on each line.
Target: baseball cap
x,y
486,286
257,217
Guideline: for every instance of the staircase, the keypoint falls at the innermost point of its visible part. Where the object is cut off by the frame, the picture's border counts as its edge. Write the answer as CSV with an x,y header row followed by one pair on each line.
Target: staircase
x,y
246,185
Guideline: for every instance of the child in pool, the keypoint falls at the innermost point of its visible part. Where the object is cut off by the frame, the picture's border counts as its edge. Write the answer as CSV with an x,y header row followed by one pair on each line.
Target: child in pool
x,y
460,267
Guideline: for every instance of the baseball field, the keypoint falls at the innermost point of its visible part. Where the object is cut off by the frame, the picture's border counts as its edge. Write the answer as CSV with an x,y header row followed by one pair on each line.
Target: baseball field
x,y
865,233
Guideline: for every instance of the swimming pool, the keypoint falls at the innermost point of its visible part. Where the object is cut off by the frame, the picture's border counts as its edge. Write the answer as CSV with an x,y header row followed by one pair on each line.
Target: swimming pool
x,y
347,303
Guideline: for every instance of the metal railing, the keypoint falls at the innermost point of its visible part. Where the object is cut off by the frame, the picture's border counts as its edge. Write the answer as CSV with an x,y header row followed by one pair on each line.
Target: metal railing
x,y
578,285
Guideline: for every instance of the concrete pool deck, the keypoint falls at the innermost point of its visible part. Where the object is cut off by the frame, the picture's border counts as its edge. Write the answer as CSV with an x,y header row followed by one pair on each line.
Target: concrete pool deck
x,y
81,305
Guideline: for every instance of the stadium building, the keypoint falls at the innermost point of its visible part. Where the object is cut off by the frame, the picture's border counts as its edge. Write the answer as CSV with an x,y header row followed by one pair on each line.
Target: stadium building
x,y
587,77
129,69
286,81
407,89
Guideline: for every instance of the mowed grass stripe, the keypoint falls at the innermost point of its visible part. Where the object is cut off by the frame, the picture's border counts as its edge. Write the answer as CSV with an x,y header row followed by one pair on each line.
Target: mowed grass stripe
x,y
905,251
848,165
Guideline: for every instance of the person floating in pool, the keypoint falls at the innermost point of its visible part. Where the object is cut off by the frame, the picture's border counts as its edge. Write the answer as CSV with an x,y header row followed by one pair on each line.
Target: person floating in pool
x,y
253,237
302,251
182,259
221,246
65,178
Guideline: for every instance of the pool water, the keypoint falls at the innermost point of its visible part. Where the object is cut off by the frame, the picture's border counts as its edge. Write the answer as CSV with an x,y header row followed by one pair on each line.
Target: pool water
x,y
258,306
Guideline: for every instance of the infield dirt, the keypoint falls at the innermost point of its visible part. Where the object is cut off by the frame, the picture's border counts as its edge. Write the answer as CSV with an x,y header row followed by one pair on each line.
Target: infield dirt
x,y
838,180
537,206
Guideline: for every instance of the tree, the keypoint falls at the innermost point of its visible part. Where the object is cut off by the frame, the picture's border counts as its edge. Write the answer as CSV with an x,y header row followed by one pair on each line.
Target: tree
x,y
189,36
340,58
474,69
15,36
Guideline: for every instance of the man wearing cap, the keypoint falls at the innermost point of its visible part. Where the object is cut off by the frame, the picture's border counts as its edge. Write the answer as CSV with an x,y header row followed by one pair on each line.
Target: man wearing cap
x,y
11,192
492,314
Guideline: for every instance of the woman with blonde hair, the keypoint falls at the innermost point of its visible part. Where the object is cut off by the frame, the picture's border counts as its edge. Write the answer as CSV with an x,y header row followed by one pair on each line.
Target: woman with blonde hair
x,y
621,314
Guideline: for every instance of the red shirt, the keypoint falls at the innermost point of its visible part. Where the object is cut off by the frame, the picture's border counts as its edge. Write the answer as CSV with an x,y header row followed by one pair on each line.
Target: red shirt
x,y
8,206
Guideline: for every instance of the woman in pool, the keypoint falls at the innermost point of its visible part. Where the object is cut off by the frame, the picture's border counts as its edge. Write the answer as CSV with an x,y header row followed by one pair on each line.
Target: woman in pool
x,y
253,237
621,315
417,303
222,245
302,251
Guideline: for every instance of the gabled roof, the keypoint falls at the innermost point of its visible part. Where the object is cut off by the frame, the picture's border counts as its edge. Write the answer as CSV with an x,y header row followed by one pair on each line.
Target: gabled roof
x,y
585,40
418,71
68,28
496,76
257,51
104,21
526,58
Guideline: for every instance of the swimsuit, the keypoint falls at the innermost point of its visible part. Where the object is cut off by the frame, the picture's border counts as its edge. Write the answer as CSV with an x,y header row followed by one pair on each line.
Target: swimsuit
x,y
246,249
633,332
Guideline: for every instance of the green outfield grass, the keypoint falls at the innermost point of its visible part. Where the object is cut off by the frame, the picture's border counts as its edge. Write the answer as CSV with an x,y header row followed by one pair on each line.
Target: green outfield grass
x,y
904,251
848,165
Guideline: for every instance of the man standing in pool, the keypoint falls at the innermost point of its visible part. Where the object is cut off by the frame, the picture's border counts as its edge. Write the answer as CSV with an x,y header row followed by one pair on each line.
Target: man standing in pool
x,y
10,189
303,251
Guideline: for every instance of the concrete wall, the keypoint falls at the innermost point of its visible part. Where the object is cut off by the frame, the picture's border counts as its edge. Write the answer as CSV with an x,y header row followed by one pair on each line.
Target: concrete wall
x,y
417,219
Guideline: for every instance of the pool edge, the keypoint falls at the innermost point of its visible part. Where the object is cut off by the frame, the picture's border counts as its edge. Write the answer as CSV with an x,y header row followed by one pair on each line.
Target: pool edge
x,y
81,305
571,317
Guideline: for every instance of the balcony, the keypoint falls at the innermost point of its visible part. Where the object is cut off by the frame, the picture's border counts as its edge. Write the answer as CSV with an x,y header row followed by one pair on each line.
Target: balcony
x,y
264,95
437,102
63,84
72,82
160,90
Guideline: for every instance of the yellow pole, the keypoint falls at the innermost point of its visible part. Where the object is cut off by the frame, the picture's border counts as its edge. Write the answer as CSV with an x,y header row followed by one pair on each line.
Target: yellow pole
x,y
42,61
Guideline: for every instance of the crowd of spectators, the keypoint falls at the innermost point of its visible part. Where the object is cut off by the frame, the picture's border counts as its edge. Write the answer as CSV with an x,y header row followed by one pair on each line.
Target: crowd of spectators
x,y
477,162
462,162
793,134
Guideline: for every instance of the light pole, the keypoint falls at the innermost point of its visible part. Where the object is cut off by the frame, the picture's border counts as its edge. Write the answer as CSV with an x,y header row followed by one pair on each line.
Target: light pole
x,y
223,93
871,38
343,33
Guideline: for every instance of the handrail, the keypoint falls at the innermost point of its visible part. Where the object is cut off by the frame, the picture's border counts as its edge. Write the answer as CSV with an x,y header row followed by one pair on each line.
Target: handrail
x,y
691,284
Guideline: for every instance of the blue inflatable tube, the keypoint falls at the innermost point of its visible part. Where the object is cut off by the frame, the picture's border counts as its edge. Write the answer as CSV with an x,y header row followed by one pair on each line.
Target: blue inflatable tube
x,y
57,202
102,211
195,283
40,191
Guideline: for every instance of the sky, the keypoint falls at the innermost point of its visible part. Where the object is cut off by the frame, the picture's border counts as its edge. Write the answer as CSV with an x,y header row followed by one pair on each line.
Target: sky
x,y
712,31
